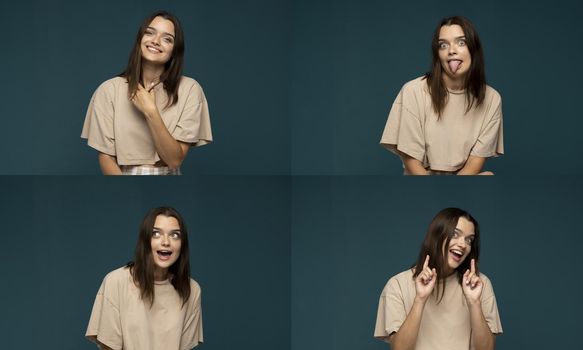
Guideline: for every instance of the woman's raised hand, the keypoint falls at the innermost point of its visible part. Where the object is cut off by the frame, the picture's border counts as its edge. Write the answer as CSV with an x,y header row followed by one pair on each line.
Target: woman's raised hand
x,y
144,100
472,284
425,281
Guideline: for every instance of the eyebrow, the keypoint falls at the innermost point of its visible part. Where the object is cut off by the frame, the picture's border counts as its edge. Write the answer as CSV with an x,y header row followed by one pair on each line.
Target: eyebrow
x,y
154,29
456,38
171,231
470,235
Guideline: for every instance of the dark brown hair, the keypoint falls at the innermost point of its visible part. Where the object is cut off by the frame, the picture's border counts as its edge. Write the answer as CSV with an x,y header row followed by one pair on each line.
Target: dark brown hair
x,y
441,229
172,69
475,80
142,268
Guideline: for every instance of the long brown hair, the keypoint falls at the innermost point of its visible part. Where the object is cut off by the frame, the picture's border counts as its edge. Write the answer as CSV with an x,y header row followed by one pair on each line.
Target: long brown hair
x,y
172,69
475,81
142,268
441,229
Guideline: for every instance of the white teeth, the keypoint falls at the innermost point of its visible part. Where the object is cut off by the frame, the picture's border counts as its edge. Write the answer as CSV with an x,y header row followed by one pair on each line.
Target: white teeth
x,y
457,252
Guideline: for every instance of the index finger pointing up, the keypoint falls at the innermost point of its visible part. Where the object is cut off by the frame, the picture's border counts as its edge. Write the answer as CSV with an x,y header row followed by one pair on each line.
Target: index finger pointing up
x,y
473,266
426,263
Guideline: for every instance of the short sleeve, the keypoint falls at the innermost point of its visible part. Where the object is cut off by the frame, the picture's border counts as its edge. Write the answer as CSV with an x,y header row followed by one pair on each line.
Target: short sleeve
x,y
104,323
403,130
192,330
490,142
194,124
490,307
391,311
98,128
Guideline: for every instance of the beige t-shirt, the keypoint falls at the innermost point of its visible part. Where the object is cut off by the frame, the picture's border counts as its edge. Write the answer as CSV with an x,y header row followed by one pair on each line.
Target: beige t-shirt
x,y
121,320
443,326
445,145
114,126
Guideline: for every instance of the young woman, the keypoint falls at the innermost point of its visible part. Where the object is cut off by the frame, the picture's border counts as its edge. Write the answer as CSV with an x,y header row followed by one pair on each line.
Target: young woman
x,y
442,302
151,303
447,121
143,121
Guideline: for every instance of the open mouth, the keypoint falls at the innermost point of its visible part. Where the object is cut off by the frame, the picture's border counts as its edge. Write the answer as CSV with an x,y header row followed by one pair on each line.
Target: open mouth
x,y
454,65
164,254
456,254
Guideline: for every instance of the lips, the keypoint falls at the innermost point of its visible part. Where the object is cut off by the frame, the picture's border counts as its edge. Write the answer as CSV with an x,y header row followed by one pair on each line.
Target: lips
x,y
164,254
153,49
456,254
454,65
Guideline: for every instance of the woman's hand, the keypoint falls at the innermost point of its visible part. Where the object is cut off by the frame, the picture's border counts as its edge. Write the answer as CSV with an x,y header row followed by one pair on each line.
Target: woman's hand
x,y
145,100
472,284
425,281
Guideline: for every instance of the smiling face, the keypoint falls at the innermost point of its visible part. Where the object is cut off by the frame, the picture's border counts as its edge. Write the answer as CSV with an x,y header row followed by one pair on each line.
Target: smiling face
x,y
454,54
166,244
460,245
158,41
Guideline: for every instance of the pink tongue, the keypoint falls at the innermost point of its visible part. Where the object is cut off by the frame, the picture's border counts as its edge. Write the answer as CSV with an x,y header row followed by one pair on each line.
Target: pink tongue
x,y
454,65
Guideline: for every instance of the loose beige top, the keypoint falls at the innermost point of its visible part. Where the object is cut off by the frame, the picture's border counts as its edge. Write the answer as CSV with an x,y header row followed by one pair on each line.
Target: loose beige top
x,y
114,126
443,326
443,145
121,320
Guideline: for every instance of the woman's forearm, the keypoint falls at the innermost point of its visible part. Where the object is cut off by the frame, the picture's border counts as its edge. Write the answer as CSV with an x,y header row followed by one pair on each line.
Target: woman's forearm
x,y
406,337
413,166
108,164
167,147
473,166
482,337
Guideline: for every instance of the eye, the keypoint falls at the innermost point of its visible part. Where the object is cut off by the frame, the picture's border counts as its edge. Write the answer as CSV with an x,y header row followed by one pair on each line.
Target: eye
x,y
469,240
461,42
156,234
175,235
442,45
168,40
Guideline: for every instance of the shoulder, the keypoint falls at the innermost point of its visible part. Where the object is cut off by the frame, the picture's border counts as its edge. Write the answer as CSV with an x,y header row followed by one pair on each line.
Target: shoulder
x,y
400,281
195,291
112,86
191,87
118,276
416,86
493,95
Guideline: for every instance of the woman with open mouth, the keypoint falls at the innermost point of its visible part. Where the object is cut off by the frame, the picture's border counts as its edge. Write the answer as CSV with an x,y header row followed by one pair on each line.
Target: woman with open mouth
x,y
151,303
447,121
442,301
144,121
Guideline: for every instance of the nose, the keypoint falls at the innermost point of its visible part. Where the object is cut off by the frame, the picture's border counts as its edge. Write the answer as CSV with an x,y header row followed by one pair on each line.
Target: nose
x,y
452,50
165,240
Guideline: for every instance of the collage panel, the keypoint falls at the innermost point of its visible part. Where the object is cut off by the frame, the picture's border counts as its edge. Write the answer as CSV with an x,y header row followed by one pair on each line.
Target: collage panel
x,y
64,235
350,235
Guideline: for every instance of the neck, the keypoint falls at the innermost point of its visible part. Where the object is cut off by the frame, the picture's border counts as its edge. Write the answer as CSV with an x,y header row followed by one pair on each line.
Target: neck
x,y
151,73
453,84
160,274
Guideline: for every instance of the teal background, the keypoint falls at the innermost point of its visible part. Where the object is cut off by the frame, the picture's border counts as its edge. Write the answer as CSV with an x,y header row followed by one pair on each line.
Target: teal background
x,y
350,58
63,235
294,86
351,234
58,52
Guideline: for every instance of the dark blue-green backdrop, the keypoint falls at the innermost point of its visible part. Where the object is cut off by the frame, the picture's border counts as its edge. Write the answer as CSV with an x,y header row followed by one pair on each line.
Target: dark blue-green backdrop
x,y
351,234
294,86
58,52
351,57
62,235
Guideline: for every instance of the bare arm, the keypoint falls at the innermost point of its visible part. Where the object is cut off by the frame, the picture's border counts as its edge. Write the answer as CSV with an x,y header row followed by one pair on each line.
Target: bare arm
x,y
108,164
171,151
406,337
473,166
412,165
